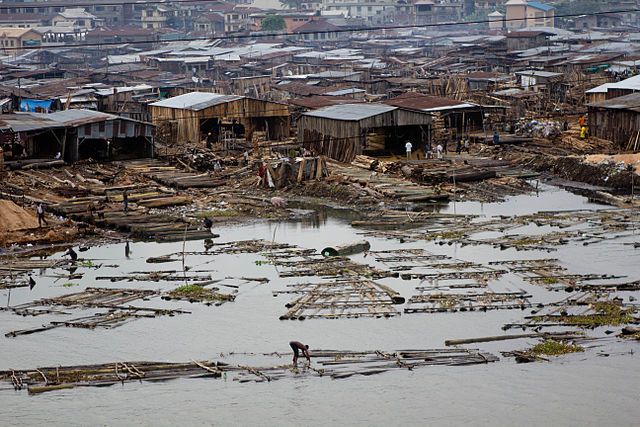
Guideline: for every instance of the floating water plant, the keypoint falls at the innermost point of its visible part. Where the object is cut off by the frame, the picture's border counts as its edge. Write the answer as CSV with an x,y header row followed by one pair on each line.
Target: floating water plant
x,y
554,348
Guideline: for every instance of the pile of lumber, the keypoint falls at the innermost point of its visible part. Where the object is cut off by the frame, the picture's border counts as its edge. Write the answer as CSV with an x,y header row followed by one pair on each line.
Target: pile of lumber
x,y
284,173
365,162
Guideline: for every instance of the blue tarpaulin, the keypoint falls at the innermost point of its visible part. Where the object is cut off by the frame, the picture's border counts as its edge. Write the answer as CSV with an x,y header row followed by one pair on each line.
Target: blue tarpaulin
x,y
35,105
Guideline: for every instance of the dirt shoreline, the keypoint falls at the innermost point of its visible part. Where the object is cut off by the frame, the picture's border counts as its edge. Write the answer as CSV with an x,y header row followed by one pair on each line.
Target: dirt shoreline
x,y
179,190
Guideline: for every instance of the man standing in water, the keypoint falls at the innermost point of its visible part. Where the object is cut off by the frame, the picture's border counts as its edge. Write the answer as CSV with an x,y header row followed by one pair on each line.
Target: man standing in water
x,y
297,346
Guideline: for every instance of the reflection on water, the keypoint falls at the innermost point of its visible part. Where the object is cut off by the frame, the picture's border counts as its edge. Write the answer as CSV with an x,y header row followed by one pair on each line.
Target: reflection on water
x,y
579,389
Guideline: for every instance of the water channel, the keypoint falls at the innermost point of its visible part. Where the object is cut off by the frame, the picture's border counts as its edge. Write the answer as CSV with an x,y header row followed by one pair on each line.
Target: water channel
x,y
597,387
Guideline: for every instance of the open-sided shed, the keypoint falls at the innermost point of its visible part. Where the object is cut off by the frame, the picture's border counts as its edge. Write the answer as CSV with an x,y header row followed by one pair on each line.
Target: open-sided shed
x,y
345,130
189,117
76,134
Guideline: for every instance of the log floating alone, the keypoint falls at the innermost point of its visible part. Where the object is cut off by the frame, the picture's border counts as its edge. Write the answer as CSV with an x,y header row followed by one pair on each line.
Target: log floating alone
x,y
346,249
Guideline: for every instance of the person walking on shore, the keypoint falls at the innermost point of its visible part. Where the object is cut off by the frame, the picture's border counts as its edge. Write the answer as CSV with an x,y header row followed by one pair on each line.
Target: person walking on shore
x,y
125,200
41,217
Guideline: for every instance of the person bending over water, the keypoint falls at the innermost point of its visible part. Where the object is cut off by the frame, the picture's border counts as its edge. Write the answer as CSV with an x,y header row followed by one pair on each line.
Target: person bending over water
x,y
297,346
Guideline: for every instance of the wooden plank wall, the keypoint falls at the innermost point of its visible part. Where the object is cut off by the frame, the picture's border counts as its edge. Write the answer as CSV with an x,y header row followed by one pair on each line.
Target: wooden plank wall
x,y
618,126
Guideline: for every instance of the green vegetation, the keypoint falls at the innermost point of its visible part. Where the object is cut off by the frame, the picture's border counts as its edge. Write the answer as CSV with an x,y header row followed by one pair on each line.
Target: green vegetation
x,y
606,313
444,235
273,22
526,241
554,348
87,263
67,285
216,213
549,281
568,7
262,262
197,292
292,4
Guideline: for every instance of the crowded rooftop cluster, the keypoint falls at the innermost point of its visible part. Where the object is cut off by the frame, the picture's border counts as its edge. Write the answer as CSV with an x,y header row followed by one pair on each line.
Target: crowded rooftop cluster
x,y
457,66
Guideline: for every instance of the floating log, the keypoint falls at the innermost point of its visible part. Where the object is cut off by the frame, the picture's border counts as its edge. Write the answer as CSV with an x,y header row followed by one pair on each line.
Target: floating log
x,y
347,249
41,389
510,337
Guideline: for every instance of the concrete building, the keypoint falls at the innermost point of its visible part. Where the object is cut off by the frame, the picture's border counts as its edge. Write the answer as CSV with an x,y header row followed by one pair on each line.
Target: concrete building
x,y
77,18
156,17
496,21
523,14
13,38
317,30
209,23
24,20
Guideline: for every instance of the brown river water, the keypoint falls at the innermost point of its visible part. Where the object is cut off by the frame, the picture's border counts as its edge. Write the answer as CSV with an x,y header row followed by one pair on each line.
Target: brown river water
x,y
597,387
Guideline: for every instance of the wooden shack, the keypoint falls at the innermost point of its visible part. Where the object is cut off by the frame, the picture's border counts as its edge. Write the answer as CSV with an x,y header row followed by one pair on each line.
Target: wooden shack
x,y
450,116
617,120
77,134
343,131
190,117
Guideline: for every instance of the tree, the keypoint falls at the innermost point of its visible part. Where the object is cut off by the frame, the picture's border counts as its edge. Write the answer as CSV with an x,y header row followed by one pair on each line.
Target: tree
x,y
273,23
292,4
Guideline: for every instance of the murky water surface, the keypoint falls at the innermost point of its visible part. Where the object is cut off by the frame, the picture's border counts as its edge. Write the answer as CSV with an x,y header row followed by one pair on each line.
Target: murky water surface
x,y
598,387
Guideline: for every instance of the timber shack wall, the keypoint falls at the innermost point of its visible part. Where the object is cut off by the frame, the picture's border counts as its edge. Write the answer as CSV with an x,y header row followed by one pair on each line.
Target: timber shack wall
x,y
615,125
183,125
344,139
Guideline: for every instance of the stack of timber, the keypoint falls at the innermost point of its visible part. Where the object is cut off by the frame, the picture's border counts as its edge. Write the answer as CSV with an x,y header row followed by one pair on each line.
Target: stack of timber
x,y
388,218
365,162
158,227
548,273
346,297
375,142
336,364
482,301
114,301
382,185
285,172
28,164
171,176
504,138
582,310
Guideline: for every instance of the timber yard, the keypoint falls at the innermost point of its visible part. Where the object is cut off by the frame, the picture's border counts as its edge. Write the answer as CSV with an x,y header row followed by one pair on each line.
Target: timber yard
x,y
437,198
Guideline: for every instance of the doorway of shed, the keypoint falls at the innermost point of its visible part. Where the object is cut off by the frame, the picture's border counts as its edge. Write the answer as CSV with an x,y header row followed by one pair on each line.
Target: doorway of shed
x,y
116,149
391,140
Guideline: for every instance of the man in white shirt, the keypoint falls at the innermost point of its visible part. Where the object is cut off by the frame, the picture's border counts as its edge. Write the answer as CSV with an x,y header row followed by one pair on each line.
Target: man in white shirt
x,y
408,146
439,151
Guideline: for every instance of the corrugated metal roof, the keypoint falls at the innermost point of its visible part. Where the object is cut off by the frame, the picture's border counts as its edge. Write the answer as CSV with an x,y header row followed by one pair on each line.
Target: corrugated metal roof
x,y
351,111
334,74
28,121
632,83
537,73
23,123
626,102
344,92
424,102
540,6
195,101
601,89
